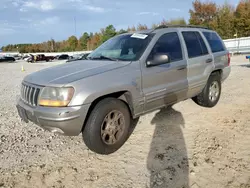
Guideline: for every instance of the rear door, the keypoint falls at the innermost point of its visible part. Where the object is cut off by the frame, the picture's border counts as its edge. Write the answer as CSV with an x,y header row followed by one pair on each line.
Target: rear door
x,y
200,61
218,49
166,83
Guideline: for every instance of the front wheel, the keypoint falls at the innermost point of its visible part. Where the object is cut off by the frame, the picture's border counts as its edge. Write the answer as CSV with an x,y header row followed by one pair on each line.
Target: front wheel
x,y
107,127
210,95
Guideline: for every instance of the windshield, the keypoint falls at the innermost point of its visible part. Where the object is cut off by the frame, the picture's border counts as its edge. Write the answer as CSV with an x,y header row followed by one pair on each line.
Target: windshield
x,y
128,47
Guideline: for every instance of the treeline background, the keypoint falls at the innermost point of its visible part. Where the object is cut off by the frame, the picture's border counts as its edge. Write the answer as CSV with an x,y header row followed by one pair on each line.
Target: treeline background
x,y
227,20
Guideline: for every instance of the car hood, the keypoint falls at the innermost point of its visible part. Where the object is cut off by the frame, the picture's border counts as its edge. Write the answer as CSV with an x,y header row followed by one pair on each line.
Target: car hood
x,y
72,71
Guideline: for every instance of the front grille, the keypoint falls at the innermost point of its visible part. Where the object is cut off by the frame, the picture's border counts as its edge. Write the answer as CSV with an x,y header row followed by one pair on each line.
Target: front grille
x,y
29,94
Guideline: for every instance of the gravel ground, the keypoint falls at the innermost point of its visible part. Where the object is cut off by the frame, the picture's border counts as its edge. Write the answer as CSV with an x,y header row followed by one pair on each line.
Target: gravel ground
x,y
183,146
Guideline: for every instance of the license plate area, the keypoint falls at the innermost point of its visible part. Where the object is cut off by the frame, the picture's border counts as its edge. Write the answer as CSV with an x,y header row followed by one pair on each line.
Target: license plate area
x,y
22,113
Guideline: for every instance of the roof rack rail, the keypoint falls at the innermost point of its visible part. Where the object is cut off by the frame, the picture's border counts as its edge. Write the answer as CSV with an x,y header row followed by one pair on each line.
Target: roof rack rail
x,y
185,26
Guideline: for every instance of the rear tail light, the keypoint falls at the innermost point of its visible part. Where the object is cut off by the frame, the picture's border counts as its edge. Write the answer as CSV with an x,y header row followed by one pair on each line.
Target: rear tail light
x,y
228,59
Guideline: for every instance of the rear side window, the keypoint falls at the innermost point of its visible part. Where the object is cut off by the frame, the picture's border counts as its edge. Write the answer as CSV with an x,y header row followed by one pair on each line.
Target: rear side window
x,y
195,44
214,41
202,43
169,44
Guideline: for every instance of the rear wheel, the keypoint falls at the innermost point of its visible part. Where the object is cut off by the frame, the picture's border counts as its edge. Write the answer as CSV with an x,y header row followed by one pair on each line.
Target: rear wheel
x,y
107,127
210,95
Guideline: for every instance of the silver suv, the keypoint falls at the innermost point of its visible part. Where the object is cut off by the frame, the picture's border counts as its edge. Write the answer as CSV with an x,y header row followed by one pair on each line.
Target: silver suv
x,y
127,76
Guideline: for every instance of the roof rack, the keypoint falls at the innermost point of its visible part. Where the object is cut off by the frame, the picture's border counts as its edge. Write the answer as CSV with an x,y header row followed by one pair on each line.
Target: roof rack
x,y
185,26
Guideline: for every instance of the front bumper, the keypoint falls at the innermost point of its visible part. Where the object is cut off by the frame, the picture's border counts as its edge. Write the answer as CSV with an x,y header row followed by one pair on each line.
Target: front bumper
x,y
66,120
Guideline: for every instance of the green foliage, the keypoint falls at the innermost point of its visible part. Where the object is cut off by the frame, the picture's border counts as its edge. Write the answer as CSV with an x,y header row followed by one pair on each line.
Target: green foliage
x,y
242,18
94,41
225,19
178,21
203,13
122,31
72,43
83,41
22,49
108,33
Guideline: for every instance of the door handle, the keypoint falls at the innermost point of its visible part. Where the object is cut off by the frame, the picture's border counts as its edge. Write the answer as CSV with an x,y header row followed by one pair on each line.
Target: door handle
x,y
209,61
182,68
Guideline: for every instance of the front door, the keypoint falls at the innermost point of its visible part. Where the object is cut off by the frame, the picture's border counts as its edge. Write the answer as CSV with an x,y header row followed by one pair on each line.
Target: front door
x,y
167,83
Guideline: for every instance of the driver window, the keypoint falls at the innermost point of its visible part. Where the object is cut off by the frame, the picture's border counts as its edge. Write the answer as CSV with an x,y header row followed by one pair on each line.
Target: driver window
x,y
170,45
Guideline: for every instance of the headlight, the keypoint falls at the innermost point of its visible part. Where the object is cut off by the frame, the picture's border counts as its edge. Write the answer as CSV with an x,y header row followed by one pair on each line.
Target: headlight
x,y
56,97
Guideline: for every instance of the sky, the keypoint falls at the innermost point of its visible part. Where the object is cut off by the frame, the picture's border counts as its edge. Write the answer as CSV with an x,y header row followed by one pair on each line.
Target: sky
x,y
34,21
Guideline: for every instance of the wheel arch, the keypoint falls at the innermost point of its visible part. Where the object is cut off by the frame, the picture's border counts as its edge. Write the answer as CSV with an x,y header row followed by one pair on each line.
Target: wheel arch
x,y
217,71
124,96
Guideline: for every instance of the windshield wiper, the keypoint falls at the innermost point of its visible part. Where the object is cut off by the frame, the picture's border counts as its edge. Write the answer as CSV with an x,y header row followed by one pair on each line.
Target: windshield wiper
x,y
103,57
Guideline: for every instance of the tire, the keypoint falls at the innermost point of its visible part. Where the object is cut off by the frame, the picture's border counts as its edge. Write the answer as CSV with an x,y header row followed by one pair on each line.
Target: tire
x,y
204,99
95,134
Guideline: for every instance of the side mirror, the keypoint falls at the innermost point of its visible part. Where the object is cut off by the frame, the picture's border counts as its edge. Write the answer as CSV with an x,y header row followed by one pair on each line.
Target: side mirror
x,y
158,59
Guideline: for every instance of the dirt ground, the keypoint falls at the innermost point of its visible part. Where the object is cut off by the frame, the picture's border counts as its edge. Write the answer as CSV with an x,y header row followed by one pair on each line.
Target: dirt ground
x,y
179,147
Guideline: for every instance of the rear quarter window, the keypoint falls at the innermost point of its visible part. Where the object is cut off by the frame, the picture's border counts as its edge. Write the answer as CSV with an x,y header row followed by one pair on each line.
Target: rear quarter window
x,y
214,41
194,43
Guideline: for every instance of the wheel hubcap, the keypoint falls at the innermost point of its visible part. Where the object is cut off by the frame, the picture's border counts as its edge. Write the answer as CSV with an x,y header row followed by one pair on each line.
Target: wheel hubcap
x,y
214,91
112,127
